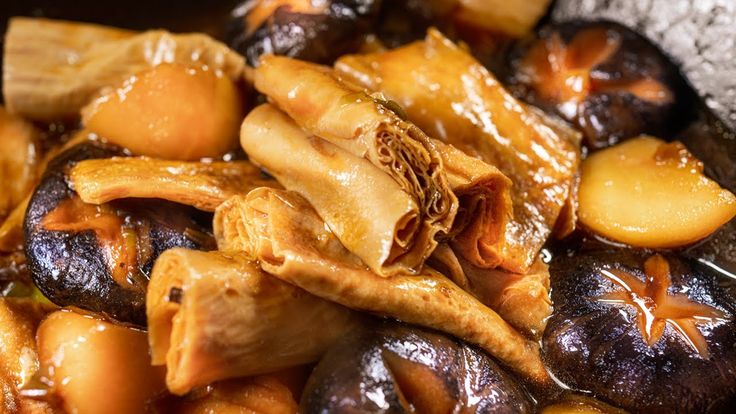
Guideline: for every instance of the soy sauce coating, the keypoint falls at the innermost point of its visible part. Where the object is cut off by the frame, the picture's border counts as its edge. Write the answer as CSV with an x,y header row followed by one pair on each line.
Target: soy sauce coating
x,y
314,31
594,341
615,83
395,368
98,257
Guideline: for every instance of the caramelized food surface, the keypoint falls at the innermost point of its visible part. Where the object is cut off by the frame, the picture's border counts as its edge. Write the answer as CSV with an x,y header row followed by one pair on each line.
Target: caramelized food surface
x,y
452,97
82,356
170,111
653,325
649,193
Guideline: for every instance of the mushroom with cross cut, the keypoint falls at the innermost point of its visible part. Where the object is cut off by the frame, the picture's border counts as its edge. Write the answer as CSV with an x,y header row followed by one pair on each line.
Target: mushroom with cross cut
x,y
607,80
642,331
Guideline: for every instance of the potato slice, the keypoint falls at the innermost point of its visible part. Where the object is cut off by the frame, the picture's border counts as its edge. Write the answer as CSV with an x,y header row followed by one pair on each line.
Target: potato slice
x,y
649,193
96,366
170,111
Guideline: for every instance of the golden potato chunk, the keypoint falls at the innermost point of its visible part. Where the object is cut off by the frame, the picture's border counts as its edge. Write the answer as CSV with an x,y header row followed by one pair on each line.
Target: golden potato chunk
x,y
170,111
96,366
649,193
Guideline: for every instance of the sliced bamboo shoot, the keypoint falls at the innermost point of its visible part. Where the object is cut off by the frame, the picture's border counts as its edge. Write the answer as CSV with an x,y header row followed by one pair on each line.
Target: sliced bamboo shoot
x,y
201,185
52,68
649,193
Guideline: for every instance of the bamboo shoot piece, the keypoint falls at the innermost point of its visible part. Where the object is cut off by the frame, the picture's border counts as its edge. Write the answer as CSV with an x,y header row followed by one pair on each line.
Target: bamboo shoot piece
x,y
362,205
213,316
452,97
53,68
359,124
201,185
291,241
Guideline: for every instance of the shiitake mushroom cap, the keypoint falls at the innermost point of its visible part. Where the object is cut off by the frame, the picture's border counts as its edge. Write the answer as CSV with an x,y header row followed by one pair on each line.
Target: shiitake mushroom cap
x,y
317,37
395,368
71,268
596,346
609,114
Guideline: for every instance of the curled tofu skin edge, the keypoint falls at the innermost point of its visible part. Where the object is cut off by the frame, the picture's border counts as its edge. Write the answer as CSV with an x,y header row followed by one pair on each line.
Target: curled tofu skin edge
x,y
522,300
323,106
363,206
198,184
282,231
42,84
215,315
472,112
484,194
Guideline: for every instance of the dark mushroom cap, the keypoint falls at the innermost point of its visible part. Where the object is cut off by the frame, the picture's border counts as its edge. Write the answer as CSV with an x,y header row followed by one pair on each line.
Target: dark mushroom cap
x,y
617,106
593,341
393,368
73,267
319,37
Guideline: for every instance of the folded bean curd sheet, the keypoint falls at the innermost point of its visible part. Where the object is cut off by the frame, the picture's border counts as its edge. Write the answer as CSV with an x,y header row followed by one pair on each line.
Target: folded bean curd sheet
x,y
484,196
364,127
203,185
215,315
453,98
290,241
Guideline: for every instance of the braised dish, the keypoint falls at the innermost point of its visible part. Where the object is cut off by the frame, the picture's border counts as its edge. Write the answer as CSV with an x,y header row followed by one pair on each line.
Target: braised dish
x,y
361,206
